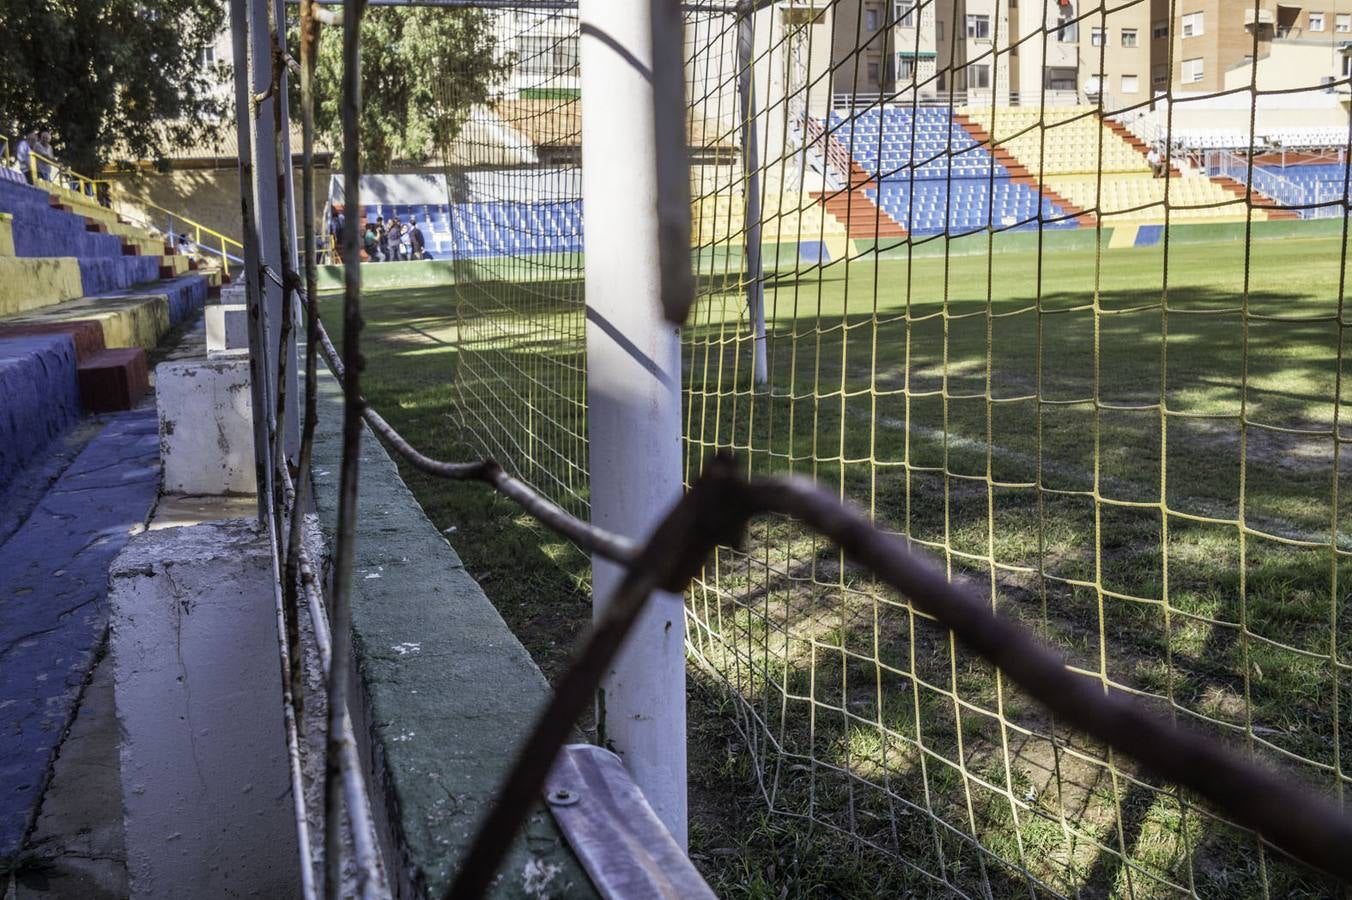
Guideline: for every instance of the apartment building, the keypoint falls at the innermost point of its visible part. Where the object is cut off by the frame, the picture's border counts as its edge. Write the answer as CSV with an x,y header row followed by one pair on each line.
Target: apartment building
x,y
861,47
972,39
1071,52
1062,51
1215,43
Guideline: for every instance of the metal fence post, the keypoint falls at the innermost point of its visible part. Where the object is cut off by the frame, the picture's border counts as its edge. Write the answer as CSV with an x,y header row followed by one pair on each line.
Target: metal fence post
x,y
258,368
751,167
268,223
633,376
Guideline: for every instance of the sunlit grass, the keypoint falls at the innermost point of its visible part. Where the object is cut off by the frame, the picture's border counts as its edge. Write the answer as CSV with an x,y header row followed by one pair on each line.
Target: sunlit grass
x,y
1106,454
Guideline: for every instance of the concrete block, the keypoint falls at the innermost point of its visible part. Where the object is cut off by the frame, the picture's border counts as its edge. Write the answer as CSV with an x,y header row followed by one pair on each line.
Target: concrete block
x,y
206,792
113,380
227,327
206,426
234,292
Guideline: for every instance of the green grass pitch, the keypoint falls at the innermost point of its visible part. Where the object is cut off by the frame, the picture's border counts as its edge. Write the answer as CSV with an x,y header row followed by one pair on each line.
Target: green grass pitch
x,y
1138,451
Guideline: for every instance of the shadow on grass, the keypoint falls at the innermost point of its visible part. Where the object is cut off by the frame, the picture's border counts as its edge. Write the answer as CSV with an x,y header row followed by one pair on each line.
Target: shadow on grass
x,y
1025,449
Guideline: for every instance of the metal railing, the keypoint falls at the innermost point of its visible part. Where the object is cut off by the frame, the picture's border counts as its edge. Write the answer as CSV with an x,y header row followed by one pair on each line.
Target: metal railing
x,y
935,97
207,239
1311,200
42,168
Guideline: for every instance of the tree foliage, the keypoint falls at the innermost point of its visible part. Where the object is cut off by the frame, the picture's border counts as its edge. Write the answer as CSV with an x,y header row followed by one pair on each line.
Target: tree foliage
x,y
422,69
109,77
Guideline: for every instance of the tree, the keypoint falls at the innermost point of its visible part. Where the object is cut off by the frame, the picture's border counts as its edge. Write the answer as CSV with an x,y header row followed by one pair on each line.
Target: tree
x,y
422,69
110,77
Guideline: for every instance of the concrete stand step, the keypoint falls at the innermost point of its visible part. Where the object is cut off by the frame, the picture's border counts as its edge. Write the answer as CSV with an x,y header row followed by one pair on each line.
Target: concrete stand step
x,y
114,380
54,603
86,333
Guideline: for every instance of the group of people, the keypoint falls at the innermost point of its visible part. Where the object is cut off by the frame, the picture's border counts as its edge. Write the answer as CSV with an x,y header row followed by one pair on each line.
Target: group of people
x,y
389,240
39,142
384,239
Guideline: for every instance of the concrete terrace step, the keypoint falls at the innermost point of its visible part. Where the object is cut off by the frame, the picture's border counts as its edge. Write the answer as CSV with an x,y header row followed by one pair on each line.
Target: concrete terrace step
x,y
87,334
137,320
40,387
136,317
102,274
113,380
28,283
53,603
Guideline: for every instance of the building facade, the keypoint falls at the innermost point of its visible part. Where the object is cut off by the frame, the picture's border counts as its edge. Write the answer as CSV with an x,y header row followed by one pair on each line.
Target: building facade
x,y
1076,51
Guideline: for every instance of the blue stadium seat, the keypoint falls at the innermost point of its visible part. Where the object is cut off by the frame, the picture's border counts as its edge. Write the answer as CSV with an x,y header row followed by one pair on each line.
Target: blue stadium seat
x,y
933,178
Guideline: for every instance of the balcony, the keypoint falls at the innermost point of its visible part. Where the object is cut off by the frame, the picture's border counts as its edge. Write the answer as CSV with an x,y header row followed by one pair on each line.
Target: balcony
x,y
1265,17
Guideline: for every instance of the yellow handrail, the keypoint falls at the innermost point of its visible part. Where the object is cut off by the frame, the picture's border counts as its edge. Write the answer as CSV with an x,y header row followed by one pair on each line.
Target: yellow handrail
x,y
45,169
219,243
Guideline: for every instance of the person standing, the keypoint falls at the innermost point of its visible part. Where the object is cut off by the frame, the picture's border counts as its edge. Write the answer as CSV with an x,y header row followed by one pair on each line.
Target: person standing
x,y
336,222
44,148
369,240
416,240
406,243
383,238
23,154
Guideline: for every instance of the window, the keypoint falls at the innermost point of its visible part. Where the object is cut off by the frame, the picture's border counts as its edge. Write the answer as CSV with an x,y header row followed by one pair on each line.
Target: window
x,y
871,19
1159,30
206,57
905,68
873,73
979,27
1342,23
979,76
1316,21
1347,66
939,30
1061,79
906,15
1068,32
1193,25
1128,37
547,56
1131,84
1159,73
1097,36
1193,71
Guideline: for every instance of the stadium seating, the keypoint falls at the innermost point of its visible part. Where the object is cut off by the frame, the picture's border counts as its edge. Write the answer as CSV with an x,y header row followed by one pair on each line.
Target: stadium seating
x,y
1140,198
1098,166
1075,142
510,228
83,296
493,227
1303,184
719,218
925,207
932,177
